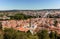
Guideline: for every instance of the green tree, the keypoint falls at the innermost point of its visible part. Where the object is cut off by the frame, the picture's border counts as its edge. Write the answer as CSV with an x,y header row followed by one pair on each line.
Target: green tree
x,y
30,36
1,34
56,35
55,22
39,35
1,31
20,35
9,33
50,16
19,16
43,34
52,35
1,25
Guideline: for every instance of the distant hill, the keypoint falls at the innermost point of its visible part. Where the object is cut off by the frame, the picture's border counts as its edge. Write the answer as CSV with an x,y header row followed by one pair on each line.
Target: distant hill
x,y
28,10
41,13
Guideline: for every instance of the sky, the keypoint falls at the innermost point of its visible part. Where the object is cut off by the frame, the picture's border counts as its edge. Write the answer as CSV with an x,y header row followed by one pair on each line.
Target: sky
x,y
29,4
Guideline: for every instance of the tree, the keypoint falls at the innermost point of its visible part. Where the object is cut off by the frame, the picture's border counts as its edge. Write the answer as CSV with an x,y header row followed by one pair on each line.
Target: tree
x,y
55,22
50,16
56,35
19,16
9,33
39,35
1,31
1,25
1,34
30,36
52,35
20,35
43,34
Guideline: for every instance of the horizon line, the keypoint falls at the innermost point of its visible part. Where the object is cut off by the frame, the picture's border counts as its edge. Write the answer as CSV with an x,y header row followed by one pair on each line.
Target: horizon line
x,y
26,9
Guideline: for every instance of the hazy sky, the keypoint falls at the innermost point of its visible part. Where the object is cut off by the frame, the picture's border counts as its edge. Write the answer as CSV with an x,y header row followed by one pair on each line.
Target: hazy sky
x,y
29,4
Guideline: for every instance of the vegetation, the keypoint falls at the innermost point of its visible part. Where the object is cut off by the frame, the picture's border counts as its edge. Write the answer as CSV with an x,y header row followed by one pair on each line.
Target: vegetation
x,y
21,16
43,34
0,26
55,22
52,35
53,16
15,34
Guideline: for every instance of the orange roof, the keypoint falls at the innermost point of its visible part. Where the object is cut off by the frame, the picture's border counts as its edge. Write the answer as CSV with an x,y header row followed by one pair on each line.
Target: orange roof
x,y
23,29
